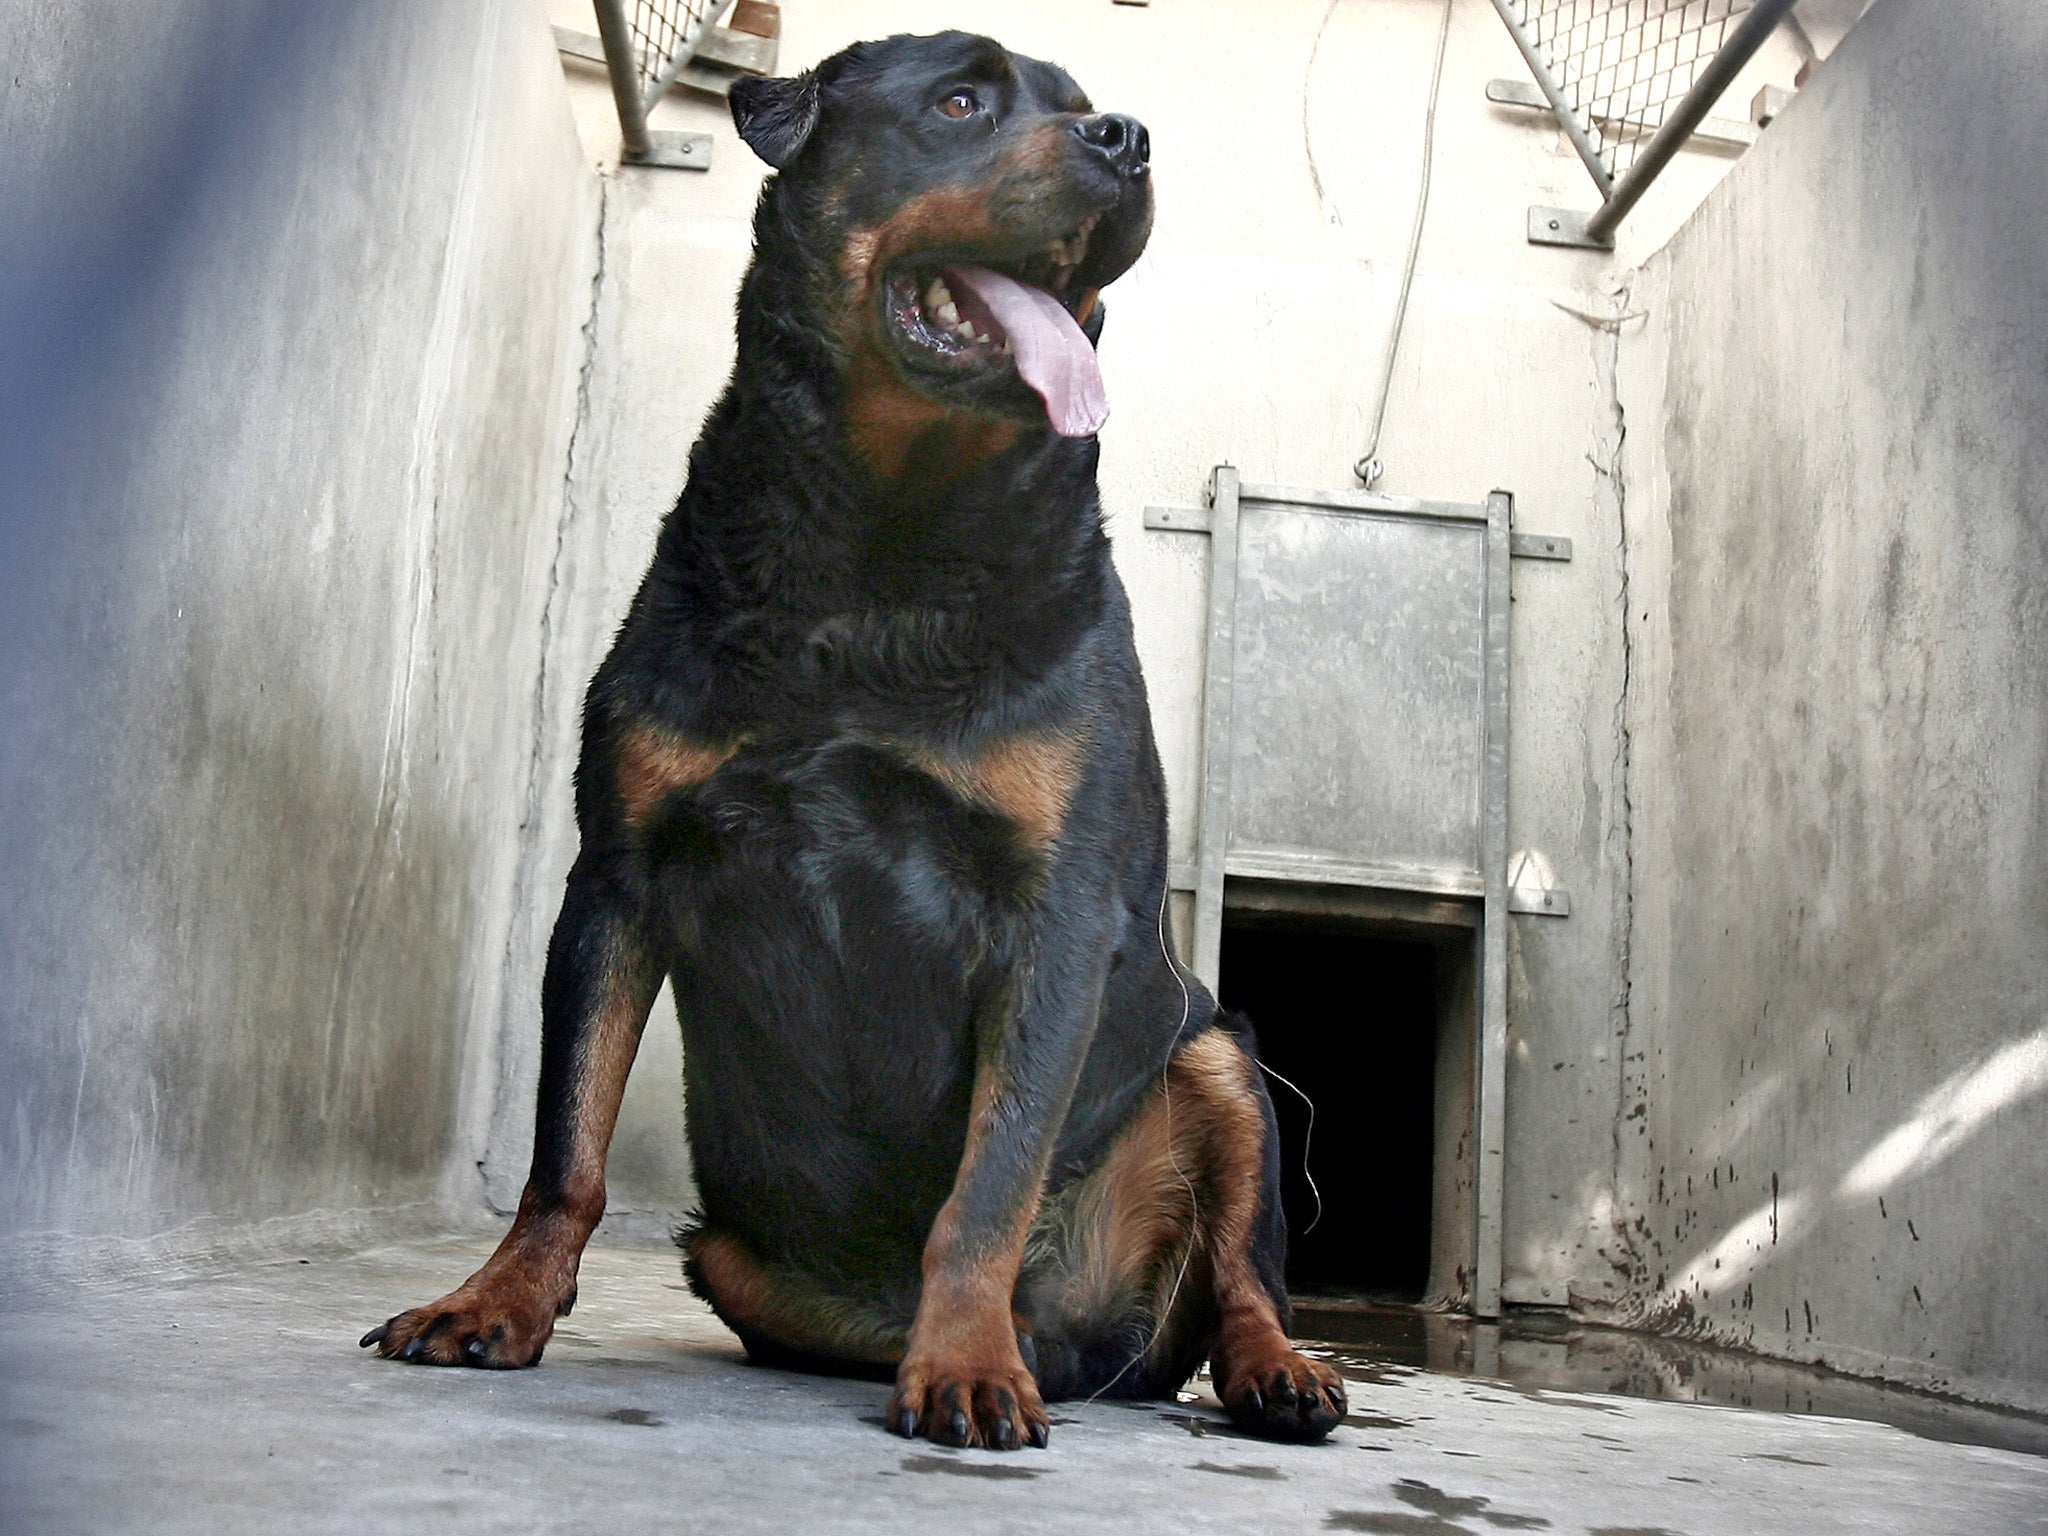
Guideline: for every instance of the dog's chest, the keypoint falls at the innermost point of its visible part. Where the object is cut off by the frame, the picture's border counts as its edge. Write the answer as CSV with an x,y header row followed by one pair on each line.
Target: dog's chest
x,y
851,785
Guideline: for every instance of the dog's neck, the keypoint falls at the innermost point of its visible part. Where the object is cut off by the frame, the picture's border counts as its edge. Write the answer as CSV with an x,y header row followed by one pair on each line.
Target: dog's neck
x,y
784,513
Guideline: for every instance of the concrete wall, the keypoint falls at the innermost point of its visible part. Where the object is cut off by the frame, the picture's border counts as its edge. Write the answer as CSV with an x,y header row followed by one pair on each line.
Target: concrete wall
x,y
290,301
1287,142
1835,1134
342,403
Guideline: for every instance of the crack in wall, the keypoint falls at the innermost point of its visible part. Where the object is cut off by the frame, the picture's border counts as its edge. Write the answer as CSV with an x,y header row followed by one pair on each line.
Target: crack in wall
x,y
515,1002
1622,1008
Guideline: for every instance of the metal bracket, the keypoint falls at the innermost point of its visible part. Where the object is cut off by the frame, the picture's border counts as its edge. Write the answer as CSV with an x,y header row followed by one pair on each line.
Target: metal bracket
x,y
1539,546
1564,226
673,151
579,45
1551,903
1178,519
1720,132
1523,546
1765,106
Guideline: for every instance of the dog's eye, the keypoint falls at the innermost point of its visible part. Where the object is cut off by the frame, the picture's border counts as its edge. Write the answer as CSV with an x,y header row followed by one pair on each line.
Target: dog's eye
x,y
962,103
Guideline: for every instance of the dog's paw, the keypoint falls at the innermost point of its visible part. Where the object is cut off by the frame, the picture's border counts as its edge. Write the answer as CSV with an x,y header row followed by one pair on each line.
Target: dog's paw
x,y
499,1322
1280,1394
993,1404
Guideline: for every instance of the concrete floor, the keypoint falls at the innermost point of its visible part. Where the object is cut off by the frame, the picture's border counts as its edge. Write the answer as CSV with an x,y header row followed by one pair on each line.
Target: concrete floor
x,y
238,1402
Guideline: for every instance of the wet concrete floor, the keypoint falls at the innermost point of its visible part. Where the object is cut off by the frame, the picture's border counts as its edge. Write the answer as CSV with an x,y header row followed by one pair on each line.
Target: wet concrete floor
x,y
1544,1350
232,1399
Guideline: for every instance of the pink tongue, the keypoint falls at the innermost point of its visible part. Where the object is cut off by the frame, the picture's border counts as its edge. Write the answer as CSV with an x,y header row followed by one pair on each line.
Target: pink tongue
x,y
1053,356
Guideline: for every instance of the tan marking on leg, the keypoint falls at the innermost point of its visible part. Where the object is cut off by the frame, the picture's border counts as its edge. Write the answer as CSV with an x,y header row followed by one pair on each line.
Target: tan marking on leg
x,y
1258,1373
653,764
1129,1240
609,1044
790,1309
1132,1211
504,1314
963,1379
1215,1078
1160,1232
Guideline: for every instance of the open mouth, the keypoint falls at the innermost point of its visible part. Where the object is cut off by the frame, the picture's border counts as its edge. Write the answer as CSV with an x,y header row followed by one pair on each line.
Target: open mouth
x,y
973,322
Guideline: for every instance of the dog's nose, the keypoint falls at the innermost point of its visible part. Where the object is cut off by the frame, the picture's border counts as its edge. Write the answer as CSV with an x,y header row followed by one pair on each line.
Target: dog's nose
x,y
1122,140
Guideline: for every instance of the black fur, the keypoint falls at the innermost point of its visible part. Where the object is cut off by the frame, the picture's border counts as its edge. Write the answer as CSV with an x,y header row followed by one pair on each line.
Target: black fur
x,y
885,572
845,928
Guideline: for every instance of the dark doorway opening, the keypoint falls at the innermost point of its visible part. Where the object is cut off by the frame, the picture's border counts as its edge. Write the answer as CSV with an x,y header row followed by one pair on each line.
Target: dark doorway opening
x,y
1349,1017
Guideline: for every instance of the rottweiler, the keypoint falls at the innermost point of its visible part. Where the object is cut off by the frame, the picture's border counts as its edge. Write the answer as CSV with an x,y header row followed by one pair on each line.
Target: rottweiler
x,y
868,776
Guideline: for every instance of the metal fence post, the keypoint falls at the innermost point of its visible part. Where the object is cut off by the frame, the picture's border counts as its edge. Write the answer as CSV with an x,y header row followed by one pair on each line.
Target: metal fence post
x,y
624,69
1737,51
1213,830
637,86
1620,63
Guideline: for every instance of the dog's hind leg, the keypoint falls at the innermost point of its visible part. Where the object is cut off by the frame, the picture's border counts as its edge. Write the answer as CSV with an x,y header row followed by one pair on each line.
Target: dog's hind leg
x,y
1267,1386
603,972
787,1319
1173,1248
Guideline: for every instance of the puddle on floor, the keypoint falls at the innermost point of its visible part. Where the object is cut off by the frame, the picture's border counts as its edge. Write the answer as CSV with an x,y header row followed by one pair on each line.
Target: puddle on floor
x,y
1544,1351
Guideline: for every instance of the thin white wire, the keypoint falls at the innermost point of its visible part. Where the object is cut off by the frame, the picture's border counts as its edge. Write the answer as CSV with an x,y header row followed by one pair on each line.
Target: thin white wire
x,y
1187,1003
1369,468
1307,1142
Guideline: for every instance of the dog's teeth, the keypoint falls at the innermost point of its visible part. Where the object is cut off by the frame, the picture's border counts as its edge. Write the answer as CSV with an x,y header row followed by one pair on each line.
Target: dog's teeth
x,y
966,329
937,294
949,316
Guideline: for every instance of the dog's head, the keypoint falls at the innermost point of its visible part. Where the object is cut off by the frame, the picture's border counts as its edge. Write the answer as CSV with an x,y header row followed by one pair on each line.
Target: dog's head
x,y
963,207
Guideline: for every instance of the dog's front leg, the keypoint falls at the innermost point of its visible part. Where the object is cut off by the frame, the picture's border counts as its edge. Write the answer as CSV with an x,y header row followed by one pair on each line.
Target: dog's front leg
x,y
963,1380
602,976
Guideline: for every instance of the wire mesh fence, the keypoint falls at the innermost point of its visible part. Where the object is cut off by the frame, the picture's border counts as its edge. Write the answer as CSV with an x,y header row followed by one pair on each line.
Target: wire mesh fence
x,y
665,34
1624,64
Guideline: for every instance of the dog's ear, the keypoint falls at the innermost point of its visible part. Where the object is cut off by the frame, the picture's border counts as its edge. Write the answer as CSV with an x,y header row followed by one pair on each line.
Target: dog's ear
x,y
775,117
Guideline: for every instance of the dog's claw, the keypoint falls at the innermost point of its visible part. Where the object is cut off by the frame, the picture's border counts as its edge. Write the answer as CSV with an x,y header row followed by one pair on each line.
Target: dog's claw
x,y
374,1336
1285,1397
906,1423
1041,1435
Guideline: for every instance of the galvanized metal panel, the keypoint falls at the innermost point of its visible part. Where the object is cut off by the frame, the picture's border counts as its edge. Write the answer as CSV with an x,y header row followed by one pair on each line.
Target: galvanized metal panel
x,y
1491,1110
1217,687
1355,720
1358,733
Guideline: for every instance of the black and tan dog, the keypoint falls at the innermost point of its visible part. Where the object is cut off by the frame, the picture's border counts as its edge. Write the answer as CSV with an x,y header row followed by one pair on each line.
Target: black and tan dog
x,y
869,775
